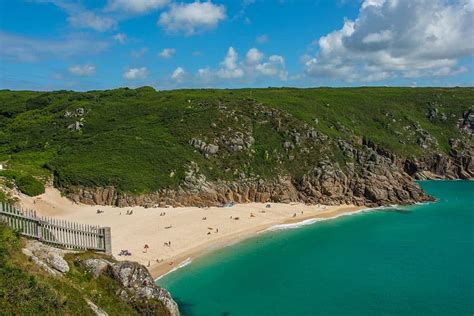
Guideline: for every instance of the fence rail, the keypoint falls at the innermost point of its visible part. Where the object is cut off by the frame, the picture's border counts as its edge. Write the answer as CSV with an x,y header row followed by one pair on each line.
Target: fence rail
x,y
57,232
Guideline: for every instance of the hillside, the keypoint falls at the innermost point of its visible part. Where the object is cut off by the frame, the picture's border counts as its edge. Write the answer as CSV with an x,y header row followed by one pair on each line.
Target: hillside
x,y
207,147
35,279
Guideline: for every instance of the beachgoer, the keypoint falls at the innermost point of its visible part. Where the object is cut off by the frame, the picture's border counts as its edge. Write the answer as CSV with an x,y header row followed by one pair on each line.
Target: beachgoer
x,y
145,248
294,215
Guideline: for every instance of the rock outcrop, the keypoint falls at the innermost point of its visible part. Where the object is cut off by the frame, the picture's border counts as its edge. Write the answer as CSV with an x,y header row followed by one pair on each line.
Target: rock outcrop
x,y
48,258
137,286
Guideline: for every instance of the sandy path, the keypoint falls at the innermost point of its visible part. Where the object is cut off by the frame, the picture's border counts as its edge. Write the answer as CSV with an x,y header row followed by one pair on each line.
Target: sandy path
x,y
189,234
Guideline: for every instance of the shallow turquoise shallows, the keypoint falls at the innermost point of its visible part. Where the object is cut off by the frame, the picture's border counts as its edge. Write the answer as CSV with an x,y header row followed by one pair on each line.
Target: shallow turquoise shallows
x,y
416,262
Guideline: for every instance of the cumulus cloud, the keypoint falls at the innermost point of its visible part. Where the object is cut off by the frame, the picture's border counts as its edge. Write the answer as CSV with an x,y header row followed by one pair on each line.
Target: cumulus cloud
x,y
275,66
135,6
254,56
392,38
120,37
191,18
229,66
254,65
82,70
135,73
28,49
167,53
178,74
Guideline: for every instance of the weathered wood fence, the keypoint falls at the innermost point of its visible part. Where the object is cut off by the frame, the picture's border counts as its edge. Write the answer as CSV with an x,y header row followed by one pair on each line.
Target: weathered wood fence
x,y
57,232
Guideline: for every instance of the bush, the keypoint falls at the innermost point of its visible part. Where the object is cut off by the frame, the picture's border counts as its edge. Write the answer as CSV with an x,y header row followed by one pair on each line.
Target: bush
x,y
30,186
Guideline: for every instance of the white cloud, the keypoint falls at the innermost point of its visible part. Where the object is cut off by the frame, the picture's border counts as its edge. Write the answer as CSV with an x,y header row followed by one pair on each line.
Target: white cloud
x,y
88,19
254,56
139,53
82,70
275,66
136,73
191,18
80,17
262,39
229,66
178,74
135,6
167,53
120,37
27,49
255,65
397,38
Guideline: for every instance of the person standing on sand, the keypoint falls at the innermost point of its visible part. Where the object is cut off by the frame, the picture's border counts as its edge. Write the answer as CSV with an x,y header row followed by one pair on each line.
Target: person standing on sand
x,y
145,248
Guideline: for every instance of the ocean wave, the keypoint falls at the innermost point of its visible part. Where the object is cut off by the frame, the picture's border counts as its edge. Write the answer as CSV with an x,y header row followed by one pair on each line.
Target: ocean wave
x,y
179,266
314,220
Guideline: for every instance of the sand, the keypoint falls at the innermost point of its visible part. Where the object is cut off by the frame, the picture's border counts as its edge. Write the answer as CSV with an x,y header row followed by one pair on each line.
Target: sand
x,y
192,231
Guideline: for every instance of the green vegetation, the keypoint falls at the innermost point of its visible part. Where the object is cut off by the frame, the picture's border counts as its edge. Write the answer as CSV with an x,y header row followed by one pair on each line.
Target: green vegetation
x,y
138,140
29,185
25,289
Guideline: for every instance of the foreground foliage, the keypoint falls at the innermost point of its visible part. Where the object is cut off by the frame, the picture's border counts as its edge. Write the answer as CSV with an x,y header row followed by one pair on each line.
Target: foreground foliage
x,y
25,289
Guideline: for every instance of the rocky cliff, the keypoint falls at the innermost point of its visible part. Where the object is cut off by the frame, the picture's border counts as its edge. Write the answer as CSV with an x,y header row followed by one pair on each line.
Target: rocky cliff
x,y
131,281
126,147
370,175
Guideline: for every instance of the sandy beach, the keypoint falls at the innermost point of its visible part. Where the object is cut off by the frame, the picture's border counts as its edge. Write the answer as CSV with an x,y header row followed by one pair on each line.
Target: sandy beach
x,y
190,231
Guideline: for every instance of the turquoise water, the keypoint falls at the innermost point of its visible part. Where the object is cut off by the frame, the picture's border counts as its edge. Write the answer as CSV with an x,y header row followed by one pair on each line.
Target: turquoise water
x,y
419,262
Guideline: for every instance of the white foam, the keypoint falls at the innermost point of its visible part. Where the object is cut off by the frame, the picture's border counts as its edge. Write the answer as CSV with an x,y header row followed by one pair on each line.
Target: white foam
x,y
179,266
314,220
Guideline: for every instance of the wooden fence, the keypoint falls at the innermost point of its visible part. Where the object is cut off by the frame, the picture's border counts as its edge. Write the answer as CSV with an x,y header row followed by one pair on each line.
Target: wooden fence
x,y
57,232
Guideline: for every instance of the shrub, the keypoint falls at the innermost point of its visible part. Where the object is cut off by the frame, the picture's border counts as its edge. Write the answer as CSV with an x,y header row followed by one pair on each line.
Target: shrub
x,y
30,186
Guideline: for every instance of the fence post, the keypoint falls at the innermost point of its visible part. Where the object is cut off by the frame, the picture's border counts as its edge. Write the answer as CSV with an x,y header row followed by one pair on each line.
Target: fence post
x,y
108,240
39,229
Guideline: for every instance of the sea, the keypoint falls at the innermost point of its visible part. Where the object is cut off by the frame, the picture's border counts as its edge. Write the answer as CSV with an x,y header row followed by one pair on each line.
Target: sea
x,y
399,260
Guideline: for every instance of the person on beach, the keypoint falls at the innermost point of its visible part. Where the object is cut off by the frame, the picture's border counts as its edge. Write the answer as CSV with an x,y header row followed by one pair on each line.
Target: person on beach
x,y
294,215
145,248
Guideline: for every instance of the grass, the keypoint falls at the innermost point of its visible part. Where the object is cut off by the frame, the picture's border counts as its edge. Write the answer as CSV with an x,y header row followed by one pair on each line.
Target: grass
x,y
135,139
25,289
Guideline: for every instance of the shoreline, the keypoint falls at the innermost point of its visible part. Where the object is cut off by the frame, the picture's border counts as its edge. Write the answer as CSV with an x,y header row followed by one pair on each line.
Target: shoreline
x,y
158,271
190,231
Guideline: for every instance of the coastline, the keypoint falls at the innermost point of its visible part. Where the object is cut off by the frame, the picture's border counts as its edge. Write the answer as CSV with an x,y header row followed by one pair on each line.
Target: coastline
x,y
158,271
191,231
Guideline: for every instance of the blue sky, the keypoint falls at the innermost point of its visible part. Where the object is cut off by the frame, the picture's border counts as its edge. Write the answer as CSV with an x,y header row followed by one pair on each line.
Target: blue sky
x,y
85,45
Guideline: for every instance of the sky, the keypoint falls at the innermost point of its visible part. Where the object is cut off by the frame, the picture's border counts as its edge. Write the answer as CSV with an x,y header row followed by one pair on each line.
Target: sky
x,y
168,44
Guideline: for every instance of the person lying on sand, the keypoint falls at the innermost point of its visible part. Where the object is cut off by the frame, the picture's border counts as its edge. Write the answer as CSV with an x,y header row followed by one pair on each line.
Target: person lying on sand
x,y
251,215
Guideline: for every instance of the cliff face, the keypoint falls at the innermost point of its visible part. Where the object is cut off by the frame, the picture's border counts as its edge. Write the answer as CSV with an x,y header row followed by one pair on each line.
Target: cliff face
x,y
370,175
371,179
210,147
